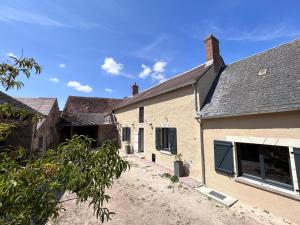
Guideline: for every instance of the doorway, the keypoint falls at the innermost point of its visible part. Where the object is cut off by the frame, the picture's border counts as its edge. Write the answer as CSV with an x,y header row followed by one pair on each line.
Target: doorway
x,y
141,140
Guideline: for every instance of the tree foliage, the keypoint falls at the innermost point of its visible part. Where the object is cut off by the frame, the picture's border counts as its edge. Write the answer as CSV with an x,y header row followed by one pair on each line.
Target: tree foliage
x,y
10,71
30,187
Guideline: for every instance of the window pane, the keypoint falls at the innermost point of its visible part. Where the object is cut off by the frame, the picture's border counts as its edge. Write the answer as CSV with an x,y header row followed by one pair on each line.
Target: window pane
x,y
276,161
165,138
249,159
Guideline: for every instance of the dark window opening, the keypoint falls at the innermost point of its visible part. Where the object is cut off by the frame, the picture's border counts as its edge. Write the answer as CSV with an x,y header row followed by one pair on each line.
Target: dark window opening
x,y
141,115
270,164
126,134
153,157
41,140
166,139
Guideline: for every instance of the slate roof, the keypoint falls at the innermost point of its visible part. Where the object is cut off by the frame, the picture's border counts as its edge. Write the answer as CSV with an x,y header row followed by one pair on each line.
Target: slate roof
x,y
42,105
182,80
88,111
239,90
6,99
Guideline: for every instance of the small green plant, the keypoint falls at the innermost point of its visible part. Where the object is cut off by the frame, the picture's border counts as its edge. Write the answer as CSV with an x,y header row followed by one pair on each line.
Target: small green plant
x,y
166,175
174,179
178,157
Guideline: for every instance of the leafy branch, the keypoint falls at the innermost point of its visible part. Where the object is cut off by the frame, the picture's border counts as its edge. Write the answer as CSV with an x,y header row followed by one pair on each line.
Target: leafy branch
x,y
10,70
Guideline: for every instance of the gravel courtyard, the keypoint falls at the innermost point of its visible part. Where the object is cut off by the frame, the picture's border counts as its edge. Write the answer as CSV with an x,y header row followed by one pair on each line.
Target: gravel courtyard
x,y
141,196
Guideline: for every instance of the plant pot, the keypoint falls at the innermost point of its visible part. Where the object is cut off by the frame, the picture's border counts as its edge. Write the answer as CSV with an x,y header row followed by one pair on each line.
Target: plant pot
x,y
178,168
128,149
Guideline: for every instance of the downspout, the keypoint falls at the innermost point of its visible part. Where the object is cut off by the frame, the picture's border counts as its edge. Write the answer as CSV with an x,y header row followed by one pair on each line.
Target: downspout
x,y
198,118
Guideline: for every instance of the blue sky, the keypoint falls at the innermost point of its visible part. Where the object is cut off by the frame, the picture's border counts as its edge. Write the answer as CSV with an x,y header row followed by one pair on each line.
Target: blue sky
x,y
100,47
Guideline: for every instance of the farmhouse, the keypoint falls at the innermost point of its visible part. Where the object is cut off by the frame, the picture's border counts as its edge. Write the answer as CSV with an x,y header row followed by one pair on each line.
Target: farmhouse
x,y
89,116
45,135
162,121
251,130
36,137
237,126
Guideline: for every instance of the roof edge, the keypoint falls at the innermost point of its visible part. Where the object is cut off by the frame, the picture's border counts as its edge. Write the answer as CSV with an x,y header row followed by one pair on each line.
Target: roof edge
x,y
250,114
172,89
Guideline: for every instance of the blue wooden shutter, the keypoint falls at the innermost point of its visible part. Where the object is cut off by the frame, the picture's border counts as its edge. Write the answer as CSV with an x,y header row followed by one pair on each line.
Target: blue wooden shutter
x,y
173,140
158,138
223,156
297,162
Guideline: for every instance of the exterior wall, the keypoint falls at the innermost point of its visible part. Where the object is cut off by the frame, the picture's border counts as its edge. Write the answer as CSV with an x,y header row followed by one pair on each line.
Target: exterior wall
x,y
21,136
173,109
277,125
48,130
107,132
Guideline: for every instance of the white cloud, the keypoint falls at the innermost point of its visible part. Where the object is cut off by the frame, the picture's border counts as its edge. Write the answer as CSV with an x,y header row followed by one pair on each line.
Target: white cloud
x,y
62,65
79,87
111,66
11,54
9,14
156,73
159,66
108,90
146,71
54,79
159,77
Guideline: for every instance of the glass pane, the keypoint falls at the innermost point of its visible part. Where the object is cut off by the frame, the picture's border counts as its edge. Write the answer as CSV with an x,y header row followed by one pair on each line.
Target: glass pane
x,y
249,159
165,141
276,160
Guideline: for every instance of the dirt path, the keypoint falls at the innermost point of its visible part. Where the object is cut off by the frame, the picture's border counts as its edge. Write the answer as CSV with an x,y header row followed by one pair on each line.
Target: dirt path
x,y
142,197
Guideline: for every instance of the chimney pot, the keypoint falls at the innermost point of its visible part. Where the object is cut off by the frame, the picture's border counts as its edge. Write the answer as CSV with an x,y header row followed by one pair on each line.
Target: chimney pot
x,y
213,52
134,89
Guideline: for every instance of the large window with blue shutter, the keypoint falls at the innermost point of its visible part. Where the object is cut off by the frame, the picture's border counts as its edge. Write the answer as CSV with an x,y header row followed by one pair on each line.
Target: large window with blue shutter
x,y
166,139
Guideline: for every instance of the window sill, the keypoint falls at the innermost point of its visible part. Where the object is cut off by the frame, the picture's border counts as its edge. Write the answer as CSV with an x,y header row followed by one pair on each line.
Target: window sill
x,y
165,152
270,188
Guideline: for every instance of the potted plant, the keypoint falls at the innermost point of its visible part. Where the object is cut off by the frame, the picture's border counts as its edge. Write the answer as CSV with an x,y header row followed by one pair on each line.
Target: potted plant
x,y
178,166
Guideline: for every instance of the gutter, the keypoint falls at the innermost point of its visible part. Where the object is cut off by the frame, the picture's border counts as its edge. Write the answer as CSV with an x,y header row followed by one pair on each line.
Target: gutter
x,y
198,118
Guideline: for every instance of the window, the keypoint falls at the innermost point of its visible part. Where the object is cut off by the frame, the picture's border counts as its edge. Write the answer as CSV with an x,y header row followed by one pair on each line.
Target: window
x,y
166,139
141,115
126,134
41,140
270,164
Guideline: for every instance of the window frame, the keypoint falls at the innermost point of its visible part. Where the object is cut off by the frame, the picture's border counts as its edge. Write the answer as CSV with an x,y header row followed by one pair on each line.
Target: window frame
x,y
141,114
262,178
168,132
126,134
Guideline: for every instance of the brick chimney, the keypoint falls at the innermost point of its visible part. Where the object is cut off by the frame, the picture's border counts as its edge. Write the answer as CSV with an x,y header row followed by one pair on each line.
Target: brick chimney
x,y
134,89
213,52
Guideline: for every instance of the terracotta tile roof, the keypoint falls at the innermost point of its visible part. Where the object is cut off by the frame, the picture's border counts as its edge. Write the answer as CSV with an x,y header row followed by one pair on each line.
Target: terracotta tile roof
x,y
77,104
88,111
182,80
42,105
6,99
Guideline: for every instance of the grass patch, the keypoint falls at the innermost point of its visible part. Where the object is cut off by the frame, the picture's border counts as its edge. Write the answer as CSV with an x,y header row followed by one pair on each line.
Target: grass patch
x,y
173,179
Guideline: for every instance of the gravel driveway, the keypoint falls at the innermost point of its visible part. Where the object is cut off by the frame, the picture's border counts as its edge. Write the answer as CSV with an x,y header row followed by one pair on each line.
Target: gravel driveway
x,y
141,196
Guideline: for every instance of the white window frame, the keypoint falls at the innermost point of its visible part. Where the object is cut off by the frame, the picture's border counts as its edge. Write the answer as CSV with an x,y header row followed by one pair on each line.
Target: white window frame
x,y
286,142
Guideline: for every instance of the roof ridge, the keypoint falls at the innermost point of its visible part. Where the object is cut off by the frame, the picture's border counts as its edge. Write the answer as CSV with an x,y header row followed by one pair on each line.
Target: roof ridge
x,y
265,51
178,75
93,97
